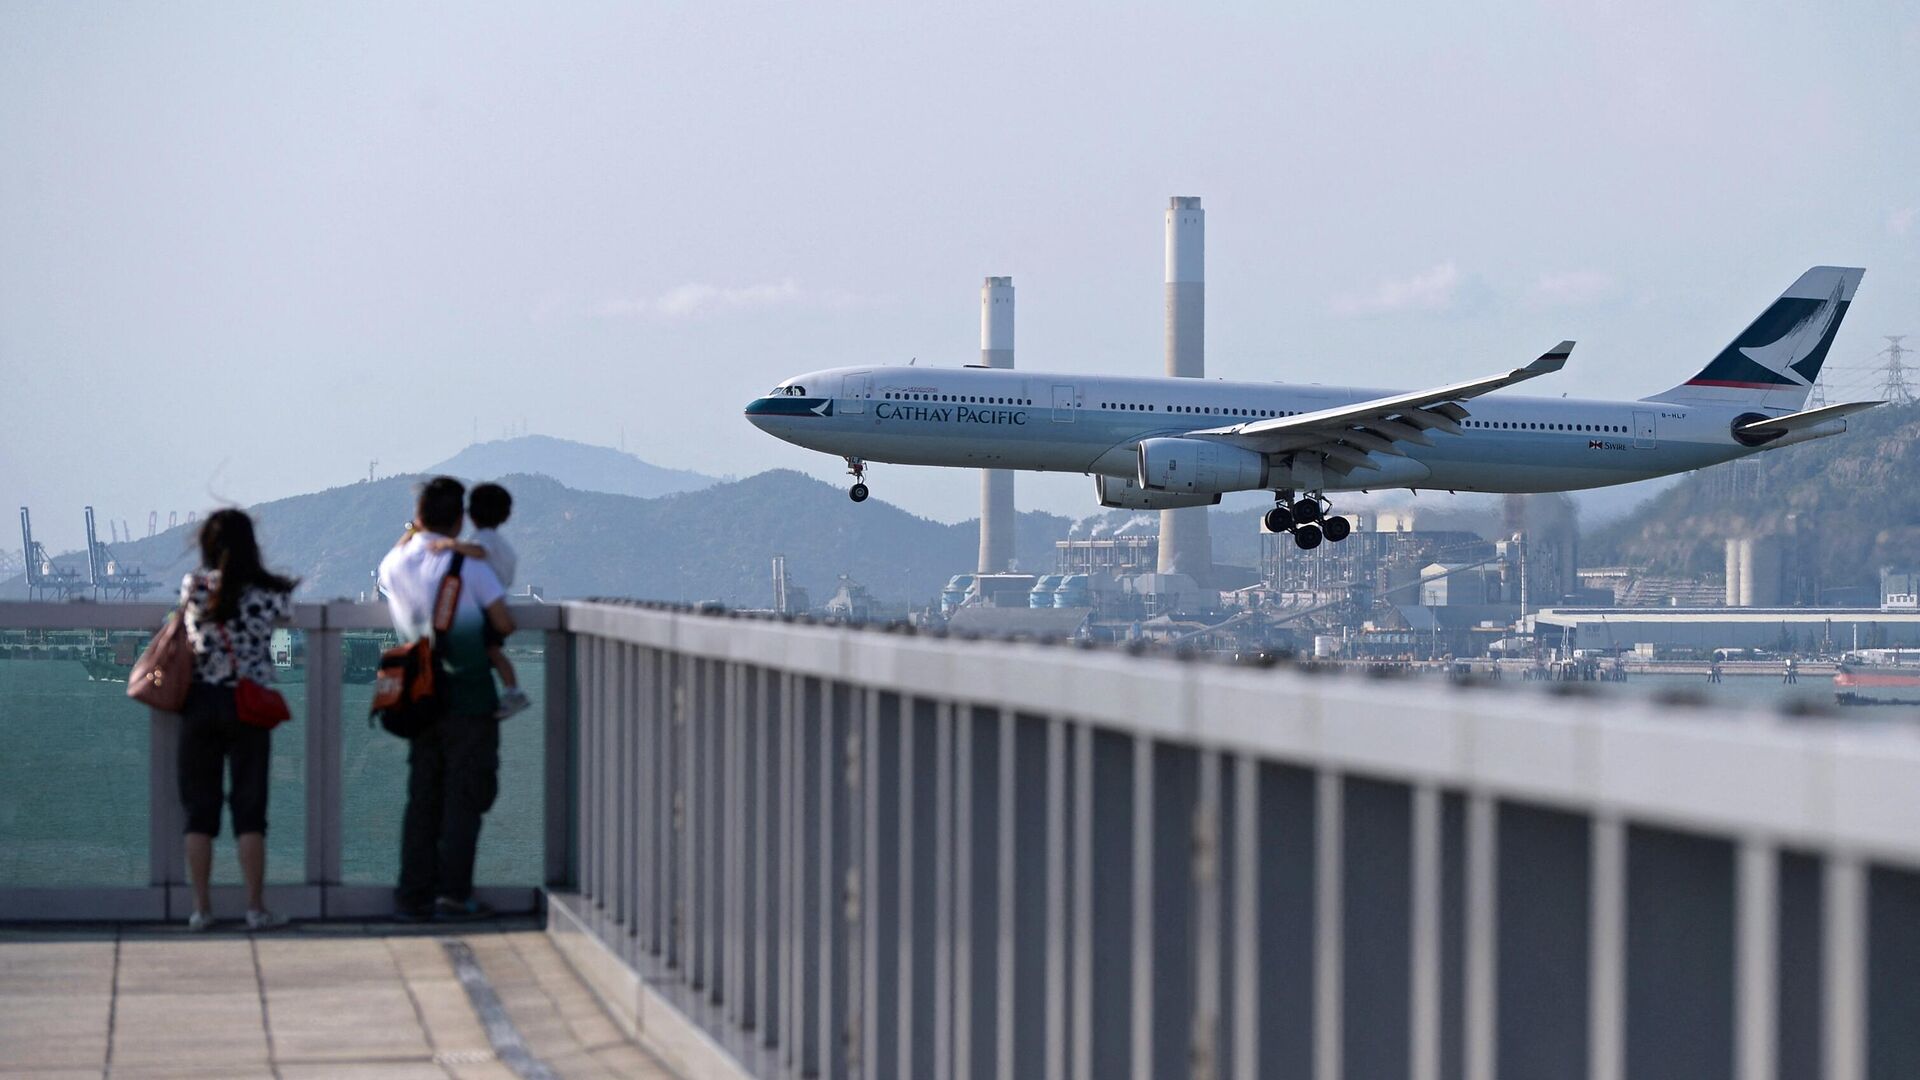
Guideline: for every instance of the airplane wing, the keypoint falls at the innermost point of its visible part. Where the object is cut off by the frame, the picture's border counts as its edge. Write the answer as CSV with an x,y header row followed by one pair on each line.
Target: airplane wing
x,y
1349,434
1776,426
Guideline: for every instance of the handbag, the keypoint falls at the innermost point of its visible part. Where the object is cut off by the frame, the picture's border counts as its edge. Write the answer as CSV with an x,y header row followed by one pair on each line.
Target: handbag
x,y
161,677
258,706
406,685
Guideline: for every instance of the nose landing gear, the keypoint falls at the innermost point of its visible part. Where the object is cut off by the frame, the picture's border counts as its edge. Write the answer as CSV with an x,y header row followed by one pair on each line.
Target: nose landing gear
x,y
1307,519
858,470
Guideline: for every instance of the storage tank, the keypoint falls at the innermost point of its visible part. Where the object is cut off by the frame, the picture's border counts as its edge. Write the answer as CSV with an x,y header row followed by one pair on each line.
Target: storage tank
x,y
1761,569
1042,594
1076,590
1756,569
1735,561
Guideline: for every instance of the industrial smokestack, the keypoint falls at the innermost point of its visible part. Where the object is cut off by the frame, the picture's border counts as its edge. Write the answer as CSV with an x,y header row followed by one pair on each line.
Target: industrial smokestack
x,y
1185,546
996,485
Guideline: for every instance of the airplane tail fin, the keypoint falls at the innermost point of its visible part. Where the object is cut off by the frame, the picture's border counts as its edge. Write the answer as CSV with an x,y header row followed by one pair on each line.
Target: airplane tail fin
x,y
1774,362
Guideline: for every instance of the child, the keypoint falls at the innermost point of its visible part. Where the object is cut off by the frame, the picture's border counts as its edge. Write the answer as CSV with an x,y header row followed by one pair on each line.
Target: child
x,y
488,507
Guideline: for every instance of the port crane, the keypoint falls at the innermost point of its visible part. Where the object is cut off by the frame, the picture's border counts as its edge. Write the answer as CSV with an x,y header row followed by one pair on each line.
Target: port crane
x,y
108,579
45,581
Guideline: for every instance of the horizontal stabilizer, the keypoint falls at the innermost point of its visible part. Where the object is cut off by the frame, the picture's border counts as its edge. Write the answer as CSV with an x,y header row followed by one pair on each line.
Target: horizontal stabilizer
x,y
1782,425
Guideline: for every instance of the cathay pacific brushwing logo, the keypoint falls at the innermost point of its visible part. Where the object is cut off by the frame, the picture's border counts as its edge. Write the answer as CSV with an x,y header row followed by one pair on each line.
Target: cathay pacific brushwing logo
x,y
1799,341
825,408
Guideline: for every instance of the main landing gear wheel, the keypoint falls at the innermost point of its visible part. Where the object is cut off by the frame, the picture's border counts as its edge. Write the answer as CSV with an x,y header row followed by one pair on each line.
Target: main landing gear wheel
x,y
1336,529
1306,537
858,470
1307,511
1279,519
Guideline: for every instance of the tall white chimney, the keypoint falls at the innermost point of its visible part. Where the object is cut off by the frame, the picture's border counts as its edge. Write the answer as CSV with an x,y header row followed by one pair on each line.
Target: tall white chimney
x,y
1185,545
996,485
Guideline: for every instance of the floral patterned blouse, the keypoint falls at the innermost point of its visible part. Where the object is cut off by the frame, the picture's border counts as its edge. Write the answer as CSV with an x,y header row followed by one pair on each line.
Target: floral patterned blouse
x,y
250,631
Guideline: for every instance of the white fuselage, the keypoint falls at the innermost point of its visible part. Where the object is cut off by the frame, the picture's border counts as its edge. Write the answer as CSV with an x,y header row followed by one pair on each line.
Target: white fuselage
x,y
1011,419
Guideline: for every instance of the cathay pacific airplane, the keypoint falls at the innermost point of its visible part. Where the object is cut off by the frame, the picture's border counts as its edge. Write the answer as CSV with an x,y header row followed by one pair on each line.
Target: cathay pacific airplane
x,y
1160,443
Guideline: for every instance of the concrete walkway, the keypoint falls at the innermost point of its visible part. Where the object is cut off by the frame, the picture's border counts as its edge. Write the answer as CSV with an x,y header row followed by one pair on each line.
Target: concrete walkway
x,y
310,1002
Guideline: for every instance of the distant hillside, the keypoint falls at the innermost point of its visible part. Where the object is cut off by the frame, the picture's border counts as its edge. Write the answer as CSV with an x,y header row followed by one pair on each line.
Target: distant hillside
x,y
717,544
1857,496
576,465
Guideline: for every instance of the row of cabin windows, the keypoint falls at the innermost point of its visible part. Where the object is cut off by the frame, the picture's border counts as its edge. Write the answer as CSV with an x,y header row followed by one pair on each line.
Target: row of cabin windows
x,y
1503,425
1524,425
1127,406
962,399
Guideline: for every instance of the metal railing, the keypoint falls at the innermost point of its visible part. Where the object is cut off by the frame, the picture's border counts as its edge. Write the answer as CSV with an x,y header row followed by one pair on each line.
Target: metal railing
x,y
847,853
321,890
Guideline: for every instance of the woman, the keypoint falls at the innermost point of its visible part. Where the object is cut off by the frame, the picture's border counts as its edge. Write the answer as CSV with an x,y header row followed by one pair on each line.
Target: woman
x,y
231,604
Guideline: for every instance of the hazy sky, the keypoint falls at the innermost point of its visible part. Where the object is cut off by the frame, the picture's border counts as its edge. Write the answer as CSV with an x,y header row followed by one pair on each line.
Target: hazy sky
x,y
245,249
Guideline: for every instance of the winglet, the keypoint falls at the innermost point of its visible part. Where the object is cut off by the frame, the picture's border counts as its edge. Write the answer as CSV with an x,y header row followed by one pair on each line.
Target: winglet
x,y
1552,360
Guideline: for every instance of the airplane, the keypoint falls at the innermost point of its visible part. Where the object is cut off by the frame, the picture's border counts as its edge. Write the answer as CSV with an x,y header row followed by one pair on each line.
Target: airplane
x,y
1162,443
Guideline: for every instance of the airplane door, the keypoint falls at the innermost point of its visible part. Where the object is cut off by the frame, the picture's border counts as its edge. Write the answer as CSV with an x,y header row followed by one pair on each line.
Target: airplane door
x,y
1643,430
1063,404
853,393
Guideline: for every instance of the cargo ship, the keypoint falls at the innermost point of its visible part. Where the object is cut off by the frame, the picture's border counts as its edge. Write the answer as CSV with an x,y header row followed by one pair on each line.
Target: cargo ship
x,y
112,656
1878,677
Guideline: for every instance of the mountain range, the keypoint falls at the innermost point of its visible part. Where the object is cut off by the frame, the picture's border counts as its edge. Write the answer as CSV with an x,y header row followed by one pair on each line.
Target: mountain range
x,y
714,544
577,465
1850,504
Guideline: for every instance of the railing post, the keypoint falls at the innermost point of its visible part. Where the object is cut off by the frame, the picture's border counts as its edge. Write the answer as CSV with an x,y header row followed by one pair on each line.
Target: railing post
x,y
1208,906
1329,945
1607,951
561,765
165,819
323,764
1756,960
1057,853
1246,918
1845,904
1426,991
1482,960
770,860
587,659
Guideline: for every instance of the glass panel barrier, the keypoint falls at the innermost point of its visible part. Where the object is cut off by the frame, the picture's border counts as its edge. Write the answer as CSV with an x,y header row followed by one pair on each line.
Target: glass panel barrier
x,y
73,759
374,775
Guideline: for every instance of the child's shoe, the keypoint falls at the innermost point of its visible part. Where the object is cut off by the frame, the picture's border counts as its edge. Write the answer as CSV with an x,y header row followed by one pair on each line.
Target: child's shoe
x,y
512,700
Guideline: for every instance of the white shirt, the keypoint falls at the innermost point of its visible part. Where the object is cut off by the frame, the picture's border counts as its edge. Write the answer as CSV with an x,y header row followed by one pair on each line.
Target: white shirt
x,y
500,554
411,575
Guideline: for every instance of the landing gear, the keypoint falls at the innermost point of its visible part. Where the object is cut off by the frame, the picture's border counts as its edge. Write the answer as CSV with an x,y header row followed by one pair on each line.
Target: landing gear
x,y
1307,519
858,470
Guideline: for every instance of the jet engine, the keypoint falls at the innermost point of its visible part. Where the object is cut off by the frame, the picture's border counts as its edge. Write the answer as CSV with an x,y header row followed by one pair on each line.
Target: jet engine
x,y
1126,495
1196,466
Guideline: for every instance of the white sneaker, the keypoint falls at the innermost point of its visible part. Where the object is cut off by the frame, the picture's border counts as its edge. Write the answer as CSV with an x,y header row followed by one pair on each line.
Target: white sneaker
x,y
199,922
265,920
512,700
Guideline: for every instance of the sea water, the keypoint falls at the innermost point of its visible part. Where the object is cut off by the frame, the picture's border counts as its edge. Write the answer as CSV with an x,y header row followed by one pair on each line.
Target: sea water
x,y
74,786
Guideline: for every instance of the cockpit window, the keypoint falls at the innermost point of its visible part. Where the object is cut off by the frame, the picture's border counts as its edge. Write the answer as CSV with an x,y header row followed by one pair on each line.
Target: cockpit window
x,y
788,391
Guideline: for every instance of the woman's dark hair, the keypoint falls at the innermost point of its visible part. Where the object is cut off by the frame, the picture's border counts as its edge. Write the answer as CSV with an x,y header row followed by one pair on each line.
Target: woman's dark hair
x,y
227,545
489,505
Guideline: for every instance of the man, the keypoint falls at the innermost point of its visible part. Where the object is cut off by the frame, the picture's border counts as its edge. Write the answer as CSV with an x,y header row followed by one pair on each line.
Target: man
x,y
453,767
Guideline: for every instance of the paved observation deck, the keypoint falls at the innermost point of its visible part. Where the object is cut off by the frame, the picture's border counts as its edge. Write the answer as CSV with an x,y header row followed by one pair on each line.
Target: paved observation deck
x,y
318,1002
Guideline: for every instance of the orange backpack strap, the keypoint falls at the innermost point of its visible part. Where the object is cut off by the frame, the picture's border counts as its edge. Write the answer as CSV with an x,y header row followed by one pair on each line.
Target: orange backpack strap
x,y
447,600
